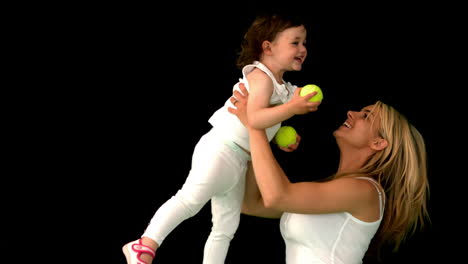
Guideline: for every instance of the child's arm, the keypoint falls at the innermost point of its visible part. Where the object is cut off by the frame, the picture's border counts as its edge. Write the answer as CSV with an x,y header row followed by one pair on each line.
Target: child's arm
x,y
240,111
261,114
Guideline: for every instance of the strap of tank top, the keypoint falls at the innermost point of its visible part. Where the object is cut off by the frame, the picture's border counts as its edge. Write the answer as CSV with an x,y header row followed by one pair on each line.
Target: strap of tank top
x,y
381,195
262,67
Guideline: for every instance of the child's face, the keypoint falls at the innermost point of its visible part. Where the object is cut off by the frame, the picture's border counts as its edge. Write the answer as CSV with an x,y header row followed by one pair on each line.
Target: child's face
x,y
288,48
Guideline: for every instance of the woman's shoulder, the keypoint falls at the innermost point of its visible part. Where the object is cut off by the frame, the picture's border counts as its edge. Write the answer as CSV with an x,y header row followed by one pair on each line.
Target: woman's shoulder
x,y
367,195
362,185
371,182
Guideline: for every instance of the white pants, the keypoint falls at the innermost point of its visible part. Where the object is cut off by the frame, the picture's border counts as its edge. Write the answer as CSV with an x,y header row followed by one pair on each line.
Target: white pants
x,y
217,173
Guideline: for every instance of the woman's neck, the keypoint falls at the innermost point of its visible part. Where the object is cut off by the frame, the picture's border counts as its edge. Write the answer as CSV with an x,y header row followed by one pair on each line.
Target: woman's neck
x,y
352,160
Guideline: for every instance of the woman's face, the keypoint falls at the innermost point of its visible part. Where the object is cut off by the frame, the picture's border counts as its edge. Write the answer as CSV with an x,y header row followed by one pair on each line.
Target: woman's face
x,y
360,129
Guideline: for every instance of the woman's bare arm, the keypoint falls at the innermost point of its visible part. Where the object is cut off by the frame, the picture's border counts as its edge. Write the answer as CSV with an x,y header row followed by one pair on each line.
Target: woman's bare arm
x,y
253,202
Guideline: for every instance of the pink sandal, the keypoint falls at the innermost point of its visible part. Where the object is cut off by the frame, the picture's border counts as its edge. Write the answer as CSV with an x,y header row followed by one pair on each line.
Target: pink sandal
x,y
133,251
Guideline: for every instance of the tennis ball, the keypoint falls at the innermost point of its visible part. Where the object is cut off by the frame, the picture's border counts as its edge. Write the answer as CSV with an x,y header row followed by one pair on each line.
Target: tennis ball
x,y
312,88
286,135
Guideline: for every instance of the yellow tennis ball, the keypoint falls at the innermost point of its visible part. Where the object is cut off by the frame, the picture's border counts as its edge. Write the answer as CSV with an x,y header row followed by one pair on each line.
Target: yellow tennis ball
x,y
312,88
286,135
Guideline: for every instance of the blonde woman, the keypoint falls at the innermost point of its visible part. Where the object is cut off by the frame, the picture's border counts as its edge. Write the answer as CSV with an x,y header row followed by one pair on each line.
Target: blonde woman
x,y
377,196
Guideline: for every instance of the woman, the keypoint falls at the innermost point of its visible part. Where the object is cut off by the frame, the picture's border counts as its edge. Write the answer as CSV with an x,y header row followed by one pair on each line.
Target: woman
x,y
377,196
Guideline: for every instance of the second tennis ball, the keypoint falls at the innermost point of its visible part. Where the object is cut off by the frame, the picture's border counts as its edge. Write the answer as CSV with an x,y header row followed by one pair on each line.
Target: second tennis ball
x,y
312,88
286,135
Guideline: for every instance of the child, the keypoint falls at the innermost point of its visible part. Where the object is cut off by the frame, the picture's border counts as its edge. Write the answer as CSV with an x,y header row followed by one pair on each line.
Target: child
x,y
272,45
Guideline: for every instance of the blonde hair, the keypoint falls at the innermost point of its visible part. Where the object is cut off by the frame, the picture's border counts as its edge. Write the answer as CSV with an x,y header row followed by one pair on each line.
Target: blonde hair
x,y
401,169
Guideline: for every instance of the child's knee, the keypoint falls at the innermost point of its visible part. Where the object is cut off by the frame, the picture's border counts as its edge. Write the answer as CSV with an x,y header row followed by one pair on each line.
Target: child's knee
x,y
226,228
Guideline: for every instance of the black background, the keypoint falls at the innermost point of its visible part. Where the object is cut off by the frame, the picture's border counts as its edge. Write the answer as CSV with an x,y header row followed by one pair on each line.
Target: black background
x,y
137,84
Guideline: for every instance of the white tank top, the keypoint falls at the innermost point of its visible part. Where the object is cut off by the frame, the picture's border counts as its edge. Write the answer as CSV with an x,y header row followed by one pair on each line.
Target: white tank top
x,y
335,238
228,125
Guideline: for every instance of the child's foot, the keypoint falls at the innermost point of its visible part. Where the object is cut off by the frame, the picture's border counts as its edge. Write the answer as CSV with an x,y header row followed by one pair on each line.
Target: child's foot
x,y
137,253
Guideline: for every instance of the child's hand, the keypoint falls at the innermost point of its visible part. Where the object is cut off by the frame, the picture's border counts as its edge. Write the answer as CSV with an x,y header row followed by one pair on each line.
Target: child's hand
x,y
300,104
292,147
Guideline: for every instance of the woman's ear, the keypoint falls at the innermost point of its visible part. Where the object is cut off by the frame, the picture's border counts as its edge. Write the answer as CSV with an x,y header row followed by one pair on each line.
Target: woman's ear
x,y
379,144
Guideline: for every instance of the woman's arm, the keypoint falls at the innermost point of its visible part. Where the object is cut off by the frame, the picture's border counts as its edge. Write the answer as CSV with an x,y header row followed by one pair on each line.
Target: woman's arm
x,y
253,202
278,193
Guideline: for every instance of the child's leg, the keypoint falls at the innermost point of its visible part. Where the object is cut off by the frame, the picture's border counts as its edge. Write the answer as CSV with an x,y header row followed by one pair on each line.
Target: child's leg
x,y
205,179
211,174
225,209
201,185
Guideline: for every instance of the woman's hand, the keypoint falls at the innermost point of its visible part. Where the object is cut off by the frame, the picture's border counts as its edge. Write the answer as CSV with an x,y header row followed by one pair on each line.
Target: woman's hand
x,y
239,100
